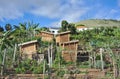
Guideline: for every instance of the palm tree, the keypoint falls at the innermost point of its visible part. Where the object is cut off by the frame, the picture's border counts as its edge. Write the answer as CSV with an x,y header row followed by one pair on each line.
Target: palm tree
x,y
25,31
5,40
20,32
32,29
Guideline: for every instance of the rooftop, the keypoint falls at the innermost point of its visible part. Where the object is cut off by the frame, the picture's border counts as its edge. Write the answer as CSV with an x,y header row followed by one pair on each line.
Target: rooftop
x,y
63,33
47,32
29,42
73,41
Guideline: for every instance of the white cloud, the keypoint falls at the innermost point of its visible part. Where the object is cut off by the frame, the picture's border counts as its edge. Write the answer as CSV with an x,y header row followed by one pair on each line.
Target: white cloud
x,y
62,9
47,8
9,14
107,14
12,9
58,9
70,10
71,17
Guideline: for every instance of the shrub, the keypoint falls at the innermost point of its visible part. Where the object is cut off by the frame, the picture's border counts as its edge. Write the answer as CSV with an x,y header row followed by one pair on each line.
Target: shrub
x,y
61,73
30,66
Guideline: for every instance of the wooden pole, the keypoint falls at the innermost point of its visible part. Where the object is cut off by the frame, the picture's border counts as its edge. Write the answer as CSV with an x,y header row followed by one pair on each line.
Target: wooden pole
x,y
14,53
113,62
89,60
76,52
3,62
49,72
114,69
101,57
59,58
51,54
44,70
94,60
49,57
119,65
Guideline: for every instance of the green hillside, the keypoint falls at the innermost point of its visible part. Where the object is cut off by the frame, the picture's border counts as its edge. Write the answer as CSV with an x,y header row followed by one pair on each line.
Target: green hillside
x,y
99,22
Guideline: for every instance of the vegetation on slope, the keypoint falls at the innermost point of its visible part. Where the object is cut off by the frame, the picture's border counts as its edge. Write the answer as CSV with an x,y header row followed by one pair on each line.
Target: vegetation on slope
x,y
99,23
103,37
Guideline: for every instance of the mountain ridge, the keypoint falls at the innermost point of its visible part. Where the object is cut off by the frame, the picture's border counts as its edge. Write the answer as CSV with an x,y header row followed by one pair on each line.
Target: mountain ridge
x,y
99,23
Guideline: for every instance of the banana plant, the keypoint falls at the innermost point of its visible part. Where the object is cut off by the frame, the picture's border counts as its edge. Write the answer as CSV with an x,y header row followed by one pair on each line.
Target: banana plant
x,y
5,43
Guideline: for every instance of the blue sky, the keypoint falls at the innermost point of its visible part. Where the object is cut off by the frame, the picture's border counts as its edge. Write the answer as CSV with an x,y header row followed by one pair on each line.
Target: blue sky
x,y
50,13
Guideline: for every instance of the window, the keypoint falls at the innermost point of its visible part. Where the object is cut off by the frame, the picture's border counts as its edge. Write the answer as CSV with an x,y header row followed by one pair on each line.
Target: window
x,y
53,31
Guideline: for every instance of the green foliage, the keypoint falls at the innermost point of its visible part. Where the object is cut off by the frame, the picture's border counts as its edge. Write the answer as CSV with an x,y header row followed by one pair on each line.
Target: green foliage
x,y
44,29
25,31
72,28
98,57
68,27
85,63
99,22
60,73
58,60
64,25
8,27
80,25
5,41
103,37
39,69
21,33
33,38
69,63
99,37
31,66
95,38
23,66
1,29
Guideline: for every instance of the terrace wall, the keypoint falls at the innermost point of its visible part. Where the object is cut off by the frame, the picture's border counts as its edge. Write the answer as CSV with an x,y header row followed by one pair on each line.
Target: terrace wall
x,y
26,76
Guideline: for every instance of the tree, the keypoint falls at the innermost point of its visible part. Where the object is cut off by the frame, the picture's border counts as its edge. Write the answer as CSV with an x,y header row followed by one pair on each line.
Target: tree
x,y
65,26
25,31
44,29
9,37
5,40
31,29
20,32
71,27
8,27
5,43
